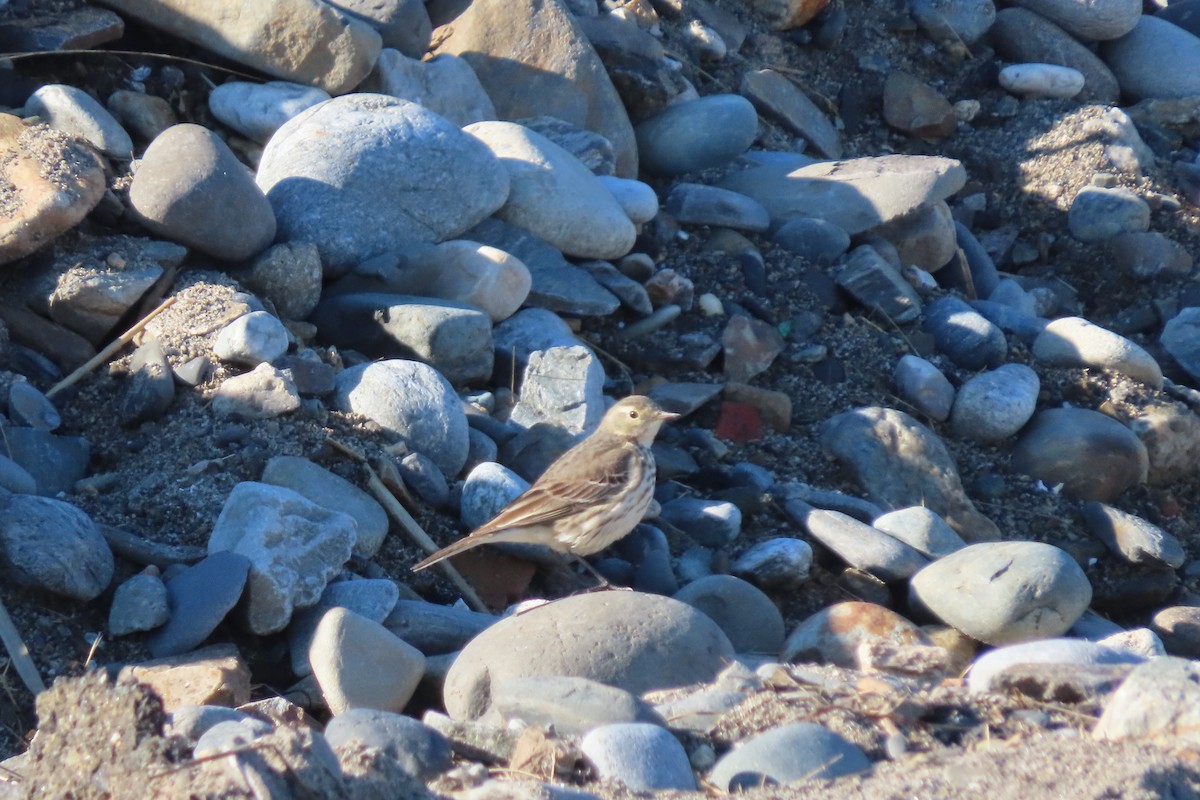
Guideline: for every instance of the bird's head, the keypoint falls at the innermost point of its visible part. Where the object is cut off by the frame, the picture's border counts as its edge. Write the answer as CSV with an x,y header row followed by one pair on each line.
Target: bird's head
x,y
637,418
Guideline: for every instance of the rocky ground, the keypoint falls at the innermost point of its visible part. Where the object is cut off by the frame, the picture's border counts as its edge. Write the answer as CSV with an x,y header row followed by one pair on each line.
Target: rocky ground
x,y
167,477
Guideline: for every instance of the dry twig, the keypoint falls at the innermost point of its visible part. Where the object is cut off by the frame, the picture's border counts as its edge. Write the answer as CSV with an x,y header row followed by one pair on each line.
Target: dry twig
x,y
19,653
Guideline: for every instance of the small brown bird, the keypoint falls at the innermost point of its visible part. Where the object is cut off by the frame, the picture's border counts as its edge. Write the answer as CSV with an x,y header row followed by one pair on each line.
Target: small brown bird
x,y
594,494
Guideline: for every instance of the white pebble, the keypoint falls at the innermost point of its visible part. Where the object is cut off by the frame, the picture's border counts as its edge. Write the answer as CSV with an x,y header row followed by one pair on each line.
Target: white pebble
x,y
711,305
1041,80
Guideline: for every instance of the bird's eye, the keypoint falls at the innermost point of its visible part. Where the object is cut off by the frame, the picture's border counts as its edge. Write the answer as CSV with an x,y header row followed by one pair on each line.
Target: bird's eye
x,y
633,415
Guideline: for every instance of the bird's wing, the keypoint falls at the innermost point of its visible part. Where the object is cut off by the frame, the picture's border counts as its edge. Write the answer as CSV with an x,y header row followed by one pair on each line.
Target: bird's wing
x,y
552,498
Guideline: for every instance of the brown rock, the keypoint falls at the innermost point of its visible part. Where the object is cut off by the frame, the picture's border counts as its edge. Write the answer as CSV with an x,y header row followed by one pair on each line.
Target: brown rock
x,y
915,108
775,408
834,634
305,41
214,676
750,346
533,60
1179,629
1092,456
49,181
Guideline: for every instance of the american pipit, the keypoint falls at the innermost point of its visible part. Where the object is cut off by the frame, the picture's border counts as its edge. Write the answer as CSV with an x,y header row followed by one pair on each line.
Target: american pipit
x,y
594,494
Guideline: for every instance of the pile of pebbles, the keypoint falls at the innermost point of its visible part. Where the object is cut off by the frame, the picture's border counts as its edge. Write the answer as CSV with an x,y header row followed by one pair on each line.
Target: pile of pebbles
x,y
399,233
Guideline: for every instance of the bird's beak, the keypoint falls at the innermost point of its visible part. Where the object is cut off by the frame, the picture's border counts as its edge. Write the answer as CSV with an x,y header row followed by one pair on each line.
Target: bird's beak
x,y
668,416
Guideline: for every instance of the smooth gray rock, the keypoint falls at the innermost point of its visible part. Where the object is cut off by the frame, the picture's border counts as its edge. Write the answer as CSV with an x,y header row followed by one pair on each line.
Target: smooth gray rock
x,y
151,388
1004,592
644,757
788,754
1155,60
311,43
453,338
696,135
992,406
776,96
294,545
139,604
74,111
712,523
1076,652
1021,36
749,618
413,401
56,462
337,168
257,110
435,629
402,24
574,706
289,276
922,530
1092,455
191,722
527,331
28,406
424,478
700,204
200,597
638,200
1181,338
554,196
1075,342
371,599
1134,539
52,546
921,383
190,188
1092,21
561,77
633,641
900,462
488,489
445,84
964,335
557,284
16,478
779,563
814,239
422,751
252,339
969,19
1159,700
1098,213
1149,255
860,545
91,299
359,663
856,195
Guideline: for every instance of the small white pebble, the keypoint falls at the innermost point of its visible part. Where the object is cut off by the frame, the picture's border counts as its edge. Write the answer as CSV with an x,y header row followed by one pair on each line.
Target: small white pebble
x,y
711,305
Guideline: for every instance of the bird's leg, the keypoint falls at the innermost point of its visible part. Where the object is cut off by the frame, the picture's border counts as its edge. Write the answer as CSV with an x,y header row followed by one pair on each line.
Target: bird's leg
x,y
604,585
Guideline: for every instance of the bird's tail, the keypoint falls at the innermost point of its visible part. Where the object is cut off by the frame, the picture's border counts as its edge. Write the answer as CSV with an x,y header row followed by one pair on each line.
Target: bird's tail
x,y
466,543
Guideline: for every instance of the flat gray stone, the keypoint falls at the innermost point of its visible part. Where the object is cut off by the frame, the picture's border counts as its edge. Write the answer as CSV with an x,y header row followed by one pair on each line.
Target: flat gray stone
x,y
992,406
633,641
855,195
74,111
644,757
257,110
422,751
361,664
370,598
574,706
1155,60
1092,455
1075,342
788,754
696,135
749,618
